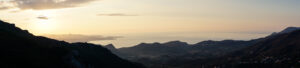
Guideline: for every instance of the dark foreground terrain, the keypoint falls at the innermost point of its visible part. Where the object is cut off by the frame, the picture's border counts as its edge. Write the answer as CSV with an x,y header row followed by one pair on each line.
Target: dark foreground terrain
x,y
20,49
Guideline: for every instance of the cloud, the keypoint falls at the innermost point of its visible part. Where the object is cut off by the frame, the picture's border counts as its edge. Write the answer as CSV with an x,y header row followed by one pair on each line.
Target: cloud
x,y
4,5
15,11
3,8
116,14
81,38
42,4
42,17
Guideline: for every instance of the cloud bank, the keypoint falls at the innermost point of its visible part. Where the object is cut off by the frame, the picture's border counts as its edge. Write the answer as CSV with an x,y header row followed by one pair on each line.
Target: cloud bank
x,y
116,14
41,4
81,38
42,17
3,8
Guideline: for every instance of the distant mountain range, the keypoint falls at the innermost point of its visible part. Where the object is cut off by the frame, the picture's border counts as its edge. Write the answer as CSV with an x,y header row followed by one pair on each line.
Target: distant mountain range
x,y
156,55
177,54
20,49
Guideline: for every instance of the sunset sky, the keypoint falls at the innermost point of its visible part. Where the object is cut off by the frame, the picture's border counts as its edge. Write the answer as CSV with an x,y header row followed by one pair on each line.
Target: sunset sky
x,y
130,22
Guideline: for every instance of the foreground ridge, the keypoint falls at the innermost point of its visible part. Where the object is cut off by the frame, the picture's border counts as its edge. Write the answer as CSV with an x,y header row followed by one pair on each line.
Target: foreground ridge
x,y
21,49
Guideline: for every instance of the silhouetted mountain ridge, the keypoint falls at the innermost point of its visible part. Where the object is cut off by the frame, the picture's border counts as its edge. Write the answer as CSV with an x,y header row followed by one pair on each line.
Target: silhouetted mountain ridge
x,y
110,47
177,54
290,29
285,45
175,43
286,30
156,54
279,51
21,49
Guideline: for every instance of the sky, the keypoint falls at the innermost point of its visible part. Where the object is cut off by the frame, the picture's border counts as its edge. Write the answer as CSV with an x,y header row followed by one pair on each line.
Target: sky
x,y
130,22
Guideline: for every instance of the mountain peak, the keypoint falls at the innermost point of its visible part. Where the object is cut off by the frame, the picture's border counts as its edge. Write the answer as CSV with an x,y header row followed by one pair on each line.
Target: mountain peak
x,y
290,29
7,27
149,44
286,30
176,43
110,47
